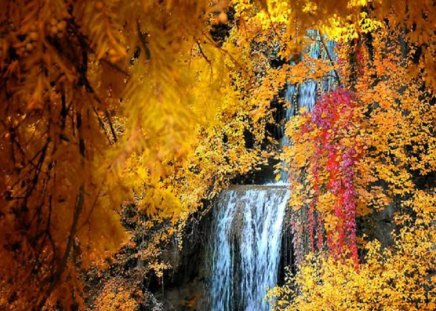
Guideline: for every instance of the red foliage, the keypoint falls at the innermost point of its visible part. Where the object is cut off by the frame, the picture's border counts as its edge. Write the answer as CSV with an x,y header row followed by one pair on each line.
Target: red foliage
x,y
332,117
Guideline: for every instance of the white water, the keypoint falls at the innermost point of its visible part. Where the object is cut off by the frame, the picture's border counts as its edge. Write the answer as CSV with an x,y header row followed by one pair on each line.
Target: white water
x,y
247,234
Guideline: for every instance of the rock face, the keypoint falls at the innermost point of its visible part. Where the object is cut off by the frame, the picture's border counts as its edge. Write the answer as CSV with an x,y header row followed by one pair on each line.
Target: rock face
x,y
378,225
185,287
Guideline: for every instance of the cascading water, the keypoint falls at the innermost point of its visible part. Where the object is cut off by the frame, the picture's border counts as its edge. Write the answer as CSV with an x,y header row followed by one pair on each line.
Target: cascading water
x,y
248,220
245,252
304,95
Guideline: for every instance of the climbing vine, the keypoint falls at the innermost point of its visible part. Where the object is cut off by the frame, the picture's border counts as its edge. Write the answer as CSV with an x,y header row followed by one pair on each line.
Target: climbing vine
x,y
324,147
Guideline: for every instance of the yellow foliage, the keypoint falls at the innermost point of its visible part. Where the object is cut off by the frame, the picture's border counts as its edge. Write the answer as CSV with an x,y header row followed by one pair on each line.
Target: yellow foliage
x,y
116,295
90,92
110,101
392,129
397,278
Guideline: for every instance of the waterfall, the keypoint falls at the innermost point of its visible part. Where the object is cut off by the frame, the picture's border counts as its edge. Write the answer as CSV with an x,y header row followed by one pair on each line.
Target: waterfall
x,y
304,95
248,220
245,250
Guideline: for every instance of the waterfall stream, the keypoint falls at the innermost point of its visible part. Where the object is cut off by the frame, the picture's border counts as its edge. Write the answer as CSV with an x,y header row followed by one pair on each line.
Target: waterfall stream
x,y
245,252
248,220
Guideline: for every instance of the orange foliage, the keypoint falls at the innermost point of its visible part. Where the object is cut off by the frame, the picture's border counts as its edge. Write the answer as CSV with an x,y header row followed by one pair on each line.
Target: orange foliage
x,y
107,101
87,88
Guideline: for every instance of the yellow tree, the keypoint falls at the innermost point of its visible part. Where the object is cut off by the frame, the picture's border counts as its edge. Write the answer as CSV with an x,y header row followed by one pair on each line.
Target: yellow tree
x,y
88,87
383,66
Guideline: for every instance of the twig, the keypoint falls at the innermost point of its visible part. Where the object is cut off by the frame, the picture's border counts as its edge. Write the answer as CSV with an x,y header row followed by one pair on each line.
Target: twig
x,y
144,42
77,211
115,67
101,123
329,57
70,242
202,53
